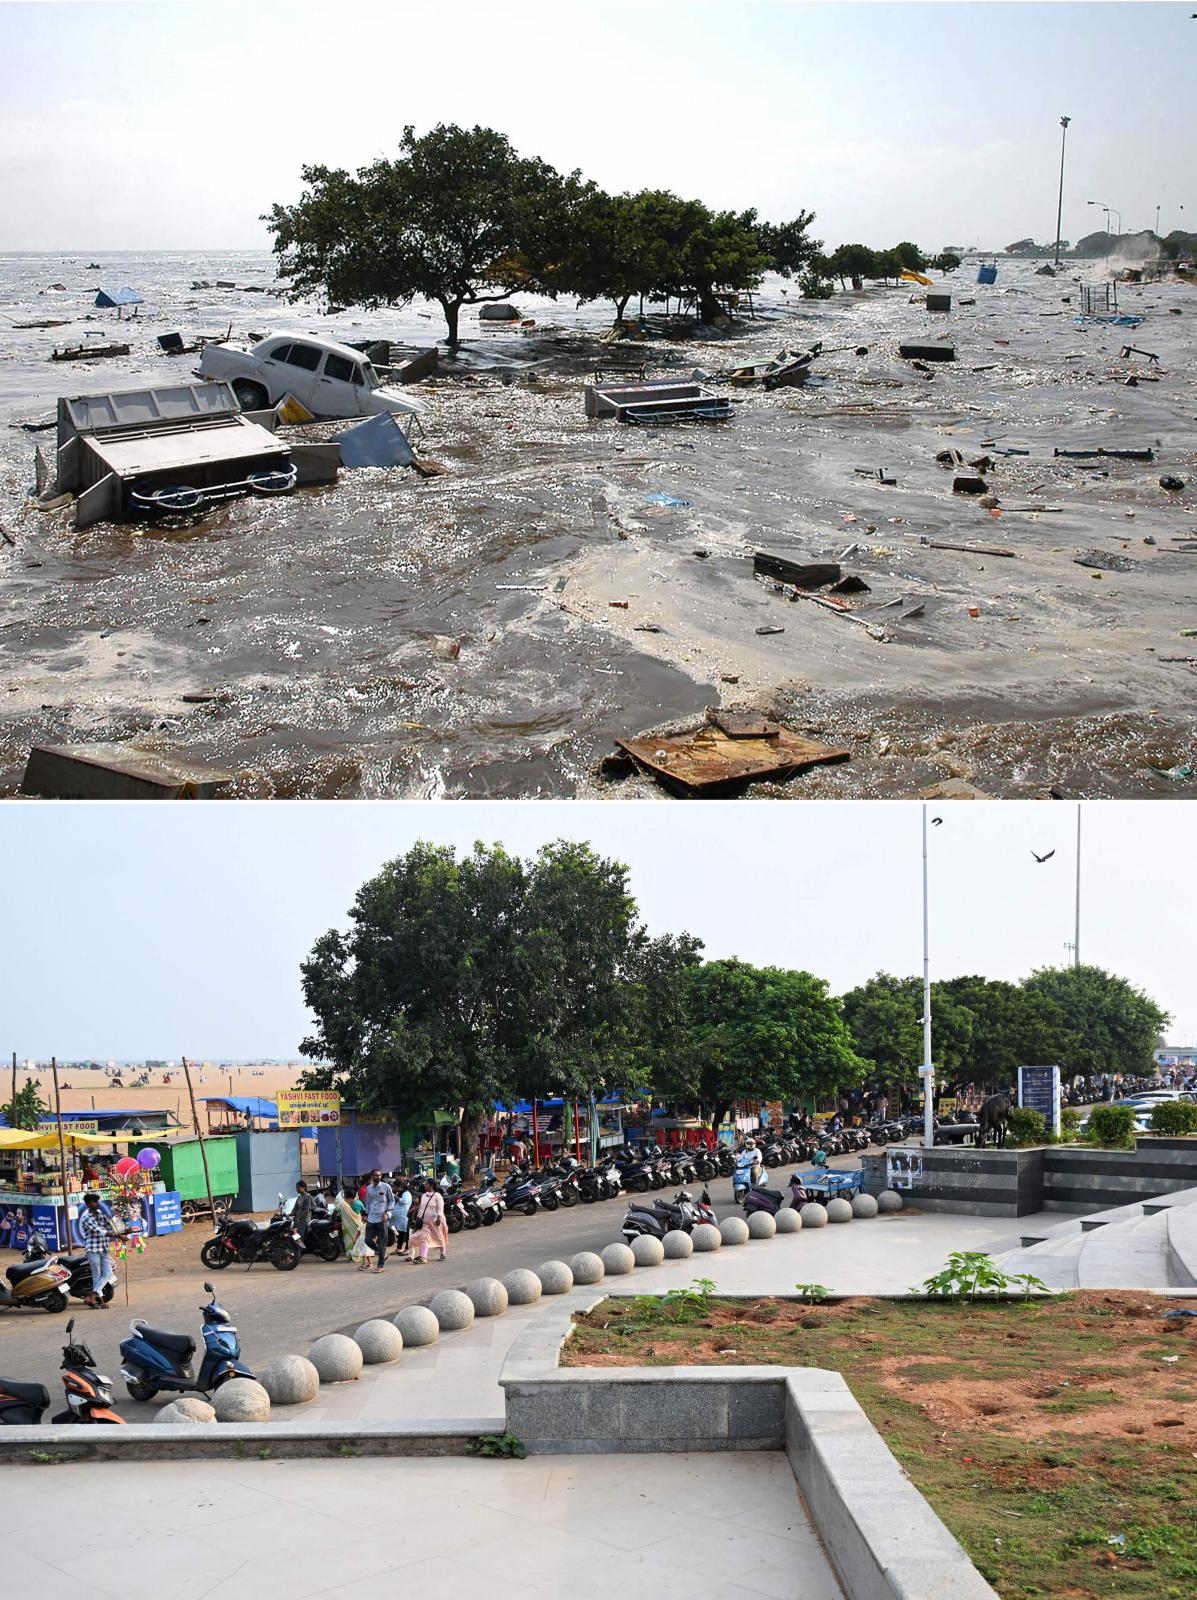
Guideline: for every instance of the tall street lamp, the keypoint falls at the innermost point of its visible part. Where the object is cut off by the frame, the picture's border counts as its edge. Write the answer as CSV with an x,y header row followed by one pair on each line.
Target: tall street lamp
x,y
927,1070
1106,209
1064,121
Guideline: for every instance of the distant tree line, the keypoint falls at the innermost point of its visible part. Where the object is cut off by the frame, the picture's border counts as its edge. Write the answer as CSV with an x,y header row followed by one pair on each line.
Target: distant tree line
x,y
463,982
460,218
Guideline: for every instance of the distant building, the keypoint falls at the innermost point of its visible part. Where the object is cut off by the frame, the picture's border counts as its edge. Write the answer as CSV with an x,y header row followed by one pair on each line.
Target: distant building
x,y
1176,1055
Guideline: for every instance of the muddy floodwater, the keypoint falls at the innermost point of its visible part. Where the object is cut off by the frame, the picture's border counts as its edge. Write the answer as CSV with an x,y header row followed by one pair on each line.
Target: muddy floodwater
x,y
313,635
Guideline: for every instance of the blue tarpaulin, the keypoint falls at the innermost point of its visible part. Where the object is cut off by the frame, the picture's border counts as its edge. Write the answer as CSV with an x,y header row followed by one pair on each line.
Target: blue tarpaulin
x,y
241,1103
380,442
118,297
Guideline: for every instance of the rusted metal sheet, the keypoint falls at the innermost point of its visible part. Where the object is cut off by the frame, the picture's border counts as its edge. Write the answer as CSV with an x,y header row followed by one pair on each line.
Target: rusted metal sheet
x,y
742,724
710,762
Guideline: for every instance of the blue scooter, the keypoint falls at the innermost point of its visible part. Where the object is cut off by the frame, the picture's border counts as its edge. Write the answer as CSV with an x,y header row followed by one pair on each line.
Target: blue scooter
x,y
155,1359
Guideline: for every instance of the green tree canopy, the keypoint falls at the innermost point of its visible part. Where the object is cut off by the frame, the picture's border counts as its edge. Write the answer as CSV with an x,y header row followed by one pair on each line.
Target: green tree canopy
x,y
1108,1024
884,1018
457,218
27,1109
756,1033
466,982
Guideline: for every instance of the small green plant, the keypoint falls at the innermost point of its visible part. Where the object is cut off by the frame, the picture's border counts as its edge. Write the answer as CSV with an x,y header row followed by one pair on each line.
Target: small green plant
x,y
1174,1116
688,1304
812,1293
265,1453
970,1273
1027,1126
495,1445
1112,1125
47,1458
1070,1119
348,1450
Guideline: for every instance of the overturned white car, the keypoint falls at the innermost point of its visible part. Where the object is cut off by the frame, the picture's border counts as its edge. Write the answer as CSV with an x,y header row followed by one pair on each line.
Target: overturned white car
x,y
330,379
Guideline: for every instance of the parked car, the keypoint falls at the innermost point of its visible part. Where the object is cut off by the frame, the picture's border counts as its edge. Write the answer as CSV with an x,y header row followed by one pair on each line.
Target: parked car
x,y
330,379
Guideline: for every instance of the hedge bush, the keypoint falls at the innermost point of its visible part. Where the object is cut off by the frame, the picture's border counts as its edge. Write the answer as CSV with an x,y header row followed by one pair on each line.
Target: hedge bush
x,y
1027,1126
1070,1120
1174,1116
1113,1125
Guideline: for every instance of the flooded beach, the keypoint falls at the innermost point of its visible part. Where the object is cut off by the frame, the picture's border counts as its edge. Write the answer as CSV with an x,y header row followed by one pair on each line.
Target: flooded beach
x,y
493,630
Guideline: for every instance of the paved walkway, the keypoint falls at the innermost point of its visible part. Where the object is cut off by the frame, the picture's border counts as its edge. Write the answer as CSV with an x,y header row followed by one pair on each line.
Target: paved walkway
x,y
459,1376
587,1526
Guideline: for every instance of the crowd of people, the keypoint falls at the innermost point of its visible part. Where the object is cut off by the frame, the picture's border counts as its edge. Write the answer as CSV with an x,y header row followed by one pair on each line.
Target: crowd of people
x,y
385,1210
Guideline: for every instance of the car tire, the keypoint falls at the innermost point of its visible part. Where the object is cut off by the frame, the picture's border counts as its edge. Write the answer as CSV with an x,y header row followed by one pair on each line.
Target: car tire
x,y
250,396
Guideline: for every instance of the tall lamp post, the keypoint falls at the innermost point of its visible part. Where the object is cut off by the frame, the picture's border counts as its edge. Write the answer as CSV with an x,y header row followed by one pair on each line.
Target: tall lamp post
x,y
1064,121
1076,938
1106,209
927,1070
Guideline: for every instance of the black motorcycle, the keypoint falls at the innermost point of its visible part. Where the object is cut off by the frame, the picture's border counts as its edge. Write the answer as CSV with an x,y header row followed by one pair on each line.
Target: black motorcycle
x,y
659,1217
79,1267
242,1240
324,1238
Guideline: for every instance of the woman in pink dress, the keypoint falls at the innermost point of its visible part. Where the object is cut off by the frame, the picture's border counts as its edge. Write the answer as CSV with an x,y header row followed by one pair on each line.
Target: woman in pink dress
x,y
429,1229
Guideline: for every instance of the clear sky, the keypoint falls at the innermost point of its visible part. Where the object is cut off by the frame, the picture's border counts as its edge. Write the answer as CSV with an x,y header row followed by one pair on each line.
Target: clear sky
x,y
161,930
173,124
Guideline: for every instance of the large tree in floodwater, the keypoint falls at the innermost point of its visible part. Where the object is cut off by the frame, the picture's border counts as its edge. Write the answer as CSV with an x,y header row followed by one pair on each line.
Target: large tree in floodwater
x,y
458,217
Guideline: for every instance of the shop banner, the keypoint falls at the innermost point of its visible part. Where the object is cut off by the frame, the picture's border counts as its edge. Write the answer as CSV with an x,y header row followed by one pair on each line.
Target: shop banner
x,y
84,1127
302,1108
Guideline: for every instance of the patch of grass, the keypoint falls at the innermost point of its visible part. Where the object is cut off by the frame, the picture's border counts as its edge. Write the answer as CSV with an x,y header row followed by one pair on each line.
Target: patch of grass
x,y
1009,1416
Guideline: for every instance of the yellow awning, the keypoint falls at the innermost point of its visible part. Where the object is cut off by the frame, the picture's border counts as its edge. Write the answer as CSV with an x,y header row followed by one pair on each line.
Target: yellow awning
x,y
22,1139
916,277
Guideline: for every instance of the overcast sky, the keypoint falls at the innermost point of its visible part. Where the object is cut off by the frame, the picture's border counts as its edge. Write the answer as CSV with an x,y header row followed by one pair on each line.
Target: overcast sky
x,y
161,930
175,125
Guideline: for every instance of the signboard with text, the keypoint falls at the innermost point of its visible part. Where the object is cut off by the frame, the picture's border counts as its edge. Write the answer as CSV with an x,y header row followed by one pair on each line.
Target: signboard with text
x,y
82,1126
1039,1090
303,1108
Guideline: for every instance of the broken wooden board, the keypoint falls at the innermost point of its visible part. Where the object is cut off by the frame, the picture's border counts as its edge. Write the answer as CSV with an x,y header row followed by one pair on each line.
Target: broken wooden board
x,y
707,762
803,574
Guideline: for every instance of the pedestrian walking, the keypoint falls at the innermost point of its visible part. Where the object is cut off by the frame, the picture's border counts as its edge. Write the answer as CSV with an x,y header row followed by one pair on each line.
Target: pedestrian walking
x,y
400,1217
301,1212
351,1213
430,1231
379,1201
98,1232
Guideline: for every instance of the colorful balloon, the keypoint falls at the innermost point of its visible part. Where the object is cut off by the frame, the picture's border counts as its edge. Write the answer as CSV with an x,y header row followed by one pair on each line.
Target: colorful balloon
x,y
148,1159
125,1167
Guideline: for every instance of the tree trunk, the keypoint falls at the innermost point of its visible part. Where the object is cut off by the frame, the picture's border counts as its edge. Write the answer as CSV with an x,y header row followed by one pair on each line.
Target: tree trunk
x,y
621,304
471,1122
709,309
452,310
722,1107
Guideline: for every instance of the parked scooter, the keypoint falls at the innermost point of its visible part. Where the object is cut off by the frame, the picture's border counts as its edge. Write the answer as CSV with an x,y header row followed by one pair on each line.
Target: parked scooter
x,y
39,1285
522,1192
22,1404
88,1391
79,1268
241,1239
659,1217
155,1359
323,1238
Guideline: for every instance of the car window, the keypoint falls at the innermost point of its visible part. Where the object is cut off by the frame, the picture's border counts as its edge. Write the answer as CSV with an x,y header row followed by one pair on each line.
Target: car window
x,y
303,355
340,367
280,354
373,381
357,376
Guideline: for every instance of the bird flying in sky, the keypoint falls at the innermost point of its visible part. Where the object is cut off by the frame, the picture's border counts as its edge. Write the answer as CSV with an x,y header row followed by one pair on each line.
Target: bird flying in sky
x,y
1041,859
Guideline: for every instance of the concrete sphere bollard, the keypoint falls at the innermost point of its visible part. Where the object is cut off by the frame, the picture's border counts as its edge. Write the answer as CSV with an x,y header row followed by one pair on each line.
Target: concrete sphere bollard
x,y
761,1225
587,1267
889,1200
488,1296
787,1220
290,1380
336,1358
417,1325
647,1251
706,1237
618,1259
452,1309
864,1205
839,1210
523,1287
186,1409
555,1277
379,1342
241,1400
734,1230
678,1246
813,1215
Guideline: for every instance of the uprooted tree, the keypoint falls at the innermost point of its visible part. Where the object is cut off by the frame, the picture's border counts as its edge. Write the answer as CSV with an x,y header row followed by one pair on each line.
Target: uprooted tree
x,y
458,218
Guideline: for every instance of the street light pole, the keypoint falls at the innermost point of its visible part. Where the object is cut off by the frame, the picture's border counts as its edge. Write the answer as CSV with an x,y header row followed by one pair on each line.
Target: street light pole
x,y
1076,937
927,1069
1064,121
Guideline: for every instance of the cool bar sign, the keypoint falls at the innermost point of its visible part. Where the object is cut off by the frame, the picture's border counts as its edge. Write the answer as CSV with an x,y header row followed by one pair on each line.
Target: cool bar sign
x,y
1039,1090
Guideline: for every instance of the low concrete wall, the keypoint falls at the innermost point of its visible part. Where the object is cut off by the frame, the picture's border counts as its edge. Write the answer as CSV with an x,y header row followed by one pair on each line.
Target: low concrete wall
x,y
1016,1183
223,1441
882,1537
